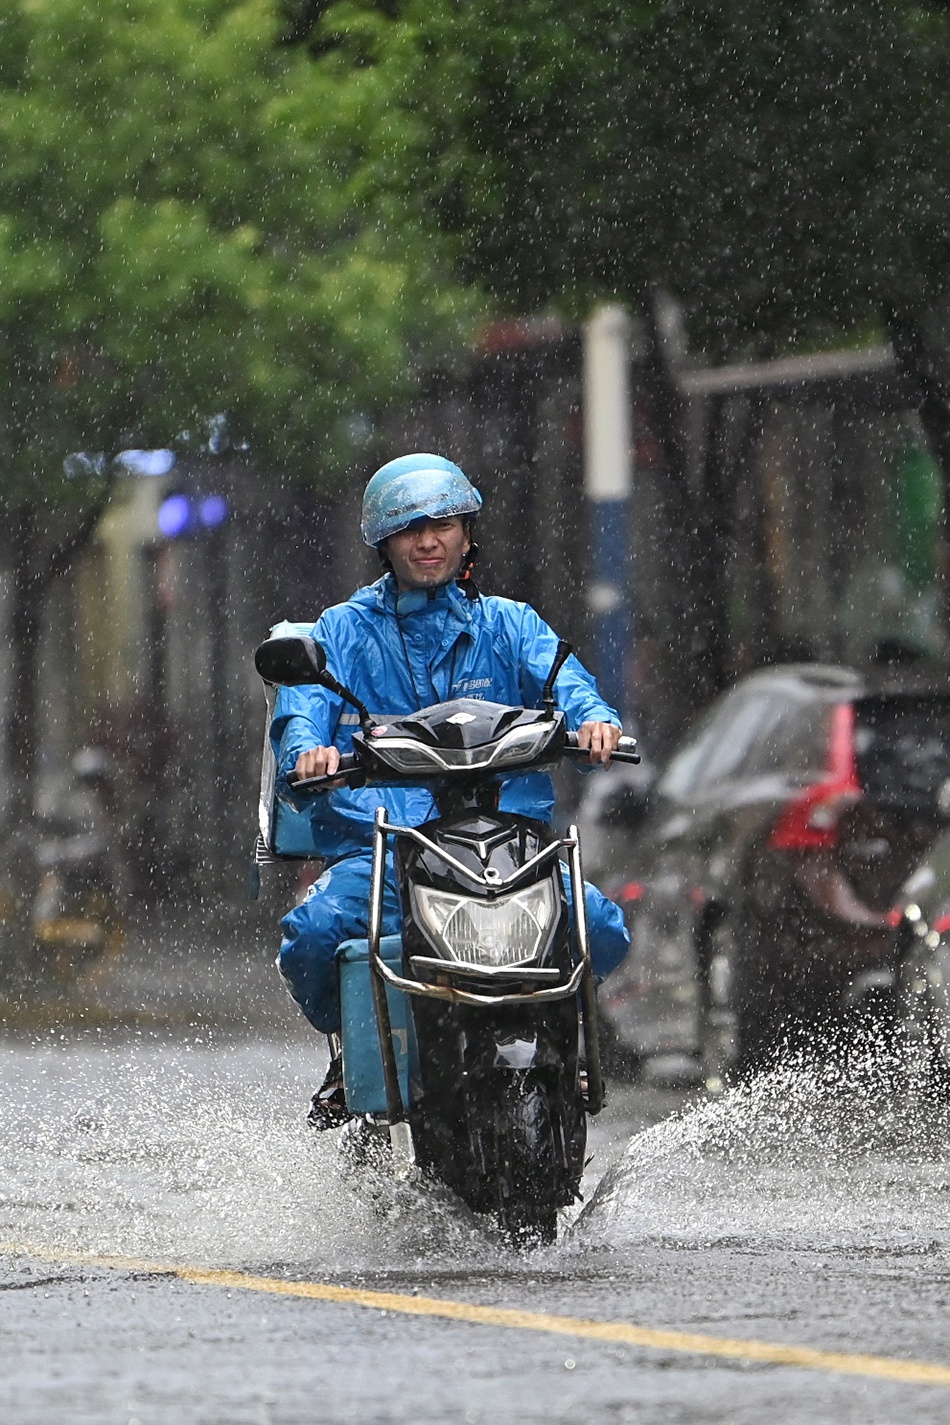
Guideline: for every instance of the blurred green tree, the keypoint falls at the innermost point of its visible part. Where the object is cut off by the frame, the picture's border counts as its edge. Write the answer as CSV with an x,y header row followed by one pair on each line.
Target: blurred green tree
x,y
193,219
792,165
783,168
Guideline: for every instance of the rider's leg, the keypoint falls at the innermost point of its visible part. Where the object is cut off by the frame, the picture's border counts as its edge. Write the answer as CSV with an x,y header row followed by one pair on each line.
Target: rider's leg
x,y
335,910
609,936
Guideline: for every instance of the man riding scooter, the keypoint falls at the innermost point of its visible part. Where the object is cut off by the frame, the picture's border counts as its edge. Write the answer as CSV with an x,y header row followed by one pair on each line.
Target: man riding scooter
x,y
422,634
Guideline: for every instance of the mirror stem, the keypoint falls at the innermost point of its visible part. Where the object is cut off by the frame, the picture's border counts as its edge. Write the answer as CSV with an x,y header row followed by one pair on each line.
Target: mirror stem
x,y
330,682
563,653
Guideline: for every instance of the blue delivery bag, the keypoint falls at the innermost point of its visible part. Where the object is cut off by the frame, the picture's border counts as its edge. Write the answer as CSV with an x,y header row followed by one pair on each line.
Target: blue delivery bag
x,y
362,1062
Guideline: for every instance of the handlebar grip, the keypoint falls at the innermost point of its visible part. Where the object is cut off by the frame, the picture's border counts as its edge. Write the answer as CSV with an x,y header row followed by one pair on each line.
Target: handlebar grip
x,y
323,784
626,750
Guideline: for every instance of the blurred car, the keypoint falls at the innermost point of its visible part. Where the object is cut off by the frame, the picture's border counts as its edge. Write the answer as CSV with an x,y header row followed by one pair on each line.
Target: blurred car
x,y
608,817
766,858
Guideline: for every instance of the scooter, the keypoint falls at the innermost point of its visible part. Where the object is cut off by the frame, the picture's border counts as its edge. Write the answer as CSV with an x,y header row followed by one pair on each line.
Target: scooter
x,y
479,1008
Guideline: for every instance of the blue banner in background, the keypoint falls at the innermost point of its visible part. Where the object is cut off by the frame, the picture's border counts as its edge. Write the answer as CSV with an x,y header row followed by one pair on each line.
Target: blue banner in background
x,y
608,478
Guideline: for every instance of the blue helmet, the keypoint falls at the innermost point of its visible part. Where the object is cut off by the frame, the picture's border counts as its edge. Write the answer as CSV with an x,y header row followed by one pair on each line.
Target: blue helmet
x,y
415,487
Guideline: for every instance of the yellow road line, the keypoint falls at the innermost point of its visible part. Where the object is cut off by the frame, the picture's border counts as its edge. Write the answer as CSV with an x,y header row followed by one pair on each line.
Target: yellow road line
x,y
615,1332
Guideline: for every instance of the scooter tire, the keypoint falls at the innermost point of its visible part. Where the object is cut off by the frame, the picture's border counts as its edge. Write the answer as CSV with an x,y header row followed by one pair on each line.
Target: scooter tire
x,y
528,1166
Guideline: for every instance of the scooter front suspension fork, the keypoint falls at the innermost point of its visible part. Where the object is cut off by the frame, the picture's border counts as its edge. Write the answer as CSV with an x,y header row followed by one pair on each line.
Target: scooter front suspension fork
x,y
400,1133
595,1082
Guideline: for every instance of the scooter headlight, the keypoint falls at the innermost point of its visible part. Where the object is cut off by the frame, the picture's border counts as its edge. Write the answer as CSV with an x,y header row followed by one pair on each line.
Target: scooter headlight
x,y
407,756
521,745
509,931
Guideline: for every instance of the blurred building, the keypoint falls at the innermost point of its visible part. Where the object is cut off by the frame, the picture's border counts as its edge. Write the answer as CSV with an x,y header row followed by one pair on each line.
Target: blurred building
x,y
779,510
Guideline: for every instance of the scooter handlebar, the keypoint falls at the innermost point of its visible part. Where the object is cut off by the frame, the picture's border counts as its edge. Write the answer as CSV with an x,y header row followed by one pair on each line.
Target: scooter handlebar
x,y
626,750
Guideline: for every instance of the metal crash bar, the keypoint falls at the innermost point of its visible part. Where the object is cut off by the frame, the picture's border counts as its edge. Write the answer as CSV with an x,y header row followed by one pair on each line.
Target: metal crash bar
x,y
491,885
381,830
580,979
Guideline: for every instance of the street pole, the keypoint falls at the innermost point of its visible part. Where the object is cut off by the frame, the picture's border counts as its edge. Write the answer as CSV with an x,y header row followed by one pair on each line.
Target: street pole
x,y
608,477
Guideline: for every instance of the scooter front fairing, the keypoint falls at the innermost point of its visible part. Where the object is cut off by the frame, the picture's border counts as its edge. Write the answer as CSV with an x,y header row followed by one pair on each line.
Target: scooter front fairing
x,y
493,975
463,933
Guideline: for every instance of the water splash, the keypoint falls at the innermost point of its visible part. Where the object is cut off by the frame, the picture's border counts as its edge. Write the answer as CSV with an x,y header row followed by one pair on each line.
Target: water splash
x,y
198,1152
186,1152
834,1156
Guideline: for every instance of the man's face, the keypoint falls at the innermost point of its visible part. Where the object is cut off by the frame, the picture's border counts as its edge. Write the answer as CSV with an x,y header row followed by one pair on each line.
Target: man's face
x,y
429,554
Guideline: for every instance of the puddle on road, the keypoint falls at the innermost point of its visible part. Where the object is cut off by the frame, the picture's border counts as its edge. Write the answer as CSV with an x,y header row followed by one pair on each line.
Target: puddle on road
x,y
198,1152
808,1156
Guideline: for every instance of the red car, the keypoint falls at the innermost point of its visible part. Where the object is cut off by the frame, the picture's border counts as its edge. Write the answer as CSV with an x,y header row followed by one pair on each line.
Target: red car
x,y
769,853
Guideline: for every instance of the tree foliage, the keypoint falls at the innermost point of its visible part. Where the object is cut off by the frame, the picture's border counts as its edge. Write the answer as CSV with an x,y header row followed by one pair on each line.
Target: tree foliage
x,y
521,123
785,168
194,217
794,165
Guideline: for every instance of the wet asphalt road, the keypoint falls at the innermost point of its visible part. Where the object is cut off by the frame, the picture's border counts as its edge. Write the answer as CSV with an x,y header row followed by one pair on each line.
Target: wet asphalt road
x,y
811,1210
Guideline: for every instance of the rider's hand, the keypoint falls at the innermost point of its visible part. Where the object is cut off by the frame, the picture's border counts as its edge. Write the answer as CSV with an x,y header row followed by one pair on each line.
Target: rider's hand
x,y
317,762
602,738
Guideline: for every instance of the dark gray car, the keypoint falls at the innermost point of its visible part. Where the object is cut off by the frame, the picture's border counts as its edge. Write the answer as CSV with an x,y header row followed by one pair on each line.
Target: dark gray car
x,y
770,851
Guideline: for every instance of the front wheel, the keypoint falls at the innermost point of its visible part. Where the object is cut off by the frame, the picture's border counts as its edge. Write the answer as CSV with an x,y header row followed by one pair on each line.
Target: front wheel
x,y
511,1148
529,1166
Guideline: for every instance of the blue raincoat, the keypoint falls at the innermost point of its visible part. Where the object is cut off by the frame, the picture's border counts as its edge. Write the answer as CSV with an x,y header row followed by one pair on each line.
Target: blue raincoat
x,y
399,653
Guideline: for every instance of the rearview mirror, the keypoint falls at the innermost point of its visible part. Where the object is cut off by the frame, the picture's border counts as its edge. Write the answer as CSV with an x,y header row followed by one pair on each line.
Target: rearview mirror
x,y
290,661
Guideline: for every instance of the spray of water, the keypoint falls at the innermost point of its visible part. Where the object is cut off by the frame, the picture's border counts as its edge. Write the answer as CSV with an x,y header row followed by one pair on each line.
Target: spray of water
x,y
846,1154
190,1151
187,1153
